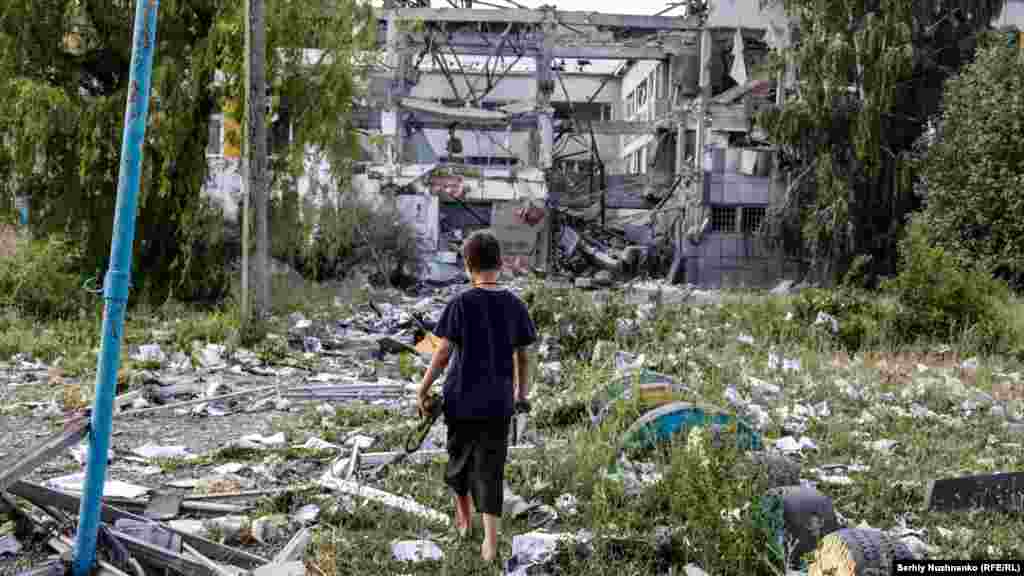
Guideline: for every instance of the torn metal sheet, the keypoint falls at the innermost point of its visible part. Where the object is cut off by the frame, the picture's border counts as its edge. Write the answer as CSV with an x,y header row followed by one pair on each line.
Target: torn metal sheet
x,y
331,482
12,471
160,557
42,496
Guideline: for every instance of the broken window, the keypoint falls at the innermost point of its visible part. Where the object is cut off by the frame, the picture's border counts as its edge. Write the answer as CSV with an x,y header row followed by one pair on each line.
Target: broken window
x,y
215,144
723,219
753,217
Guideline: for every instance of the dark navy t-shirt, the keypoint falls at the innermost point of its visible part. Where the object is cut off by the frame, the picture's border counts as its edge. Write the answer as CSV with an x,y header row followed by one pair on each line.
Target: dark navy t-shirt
x,y
485,327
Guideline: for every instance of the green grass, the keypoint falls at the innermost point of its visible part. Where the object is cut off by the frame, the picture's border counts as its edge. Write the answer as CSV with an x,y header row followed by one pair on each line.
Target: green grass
x,y
699,347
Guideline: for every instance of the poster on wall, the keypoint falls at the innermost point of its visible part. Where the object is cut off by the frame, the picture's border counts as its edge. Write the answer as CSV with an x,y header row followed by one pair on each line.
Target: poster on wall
x,y
422,214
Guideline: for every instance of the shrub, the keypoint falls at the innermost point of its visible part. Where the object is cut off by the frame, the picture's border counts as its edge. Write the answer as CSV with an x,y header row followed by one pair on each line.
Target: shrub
x,y
573,318
941,296
39,278
973,173
860,317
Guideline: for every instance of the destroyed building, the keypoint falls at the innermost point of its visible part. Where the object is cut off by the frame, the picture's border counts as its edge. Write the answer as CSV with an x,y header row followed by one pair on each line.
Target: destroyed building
x,y
575,133
587,122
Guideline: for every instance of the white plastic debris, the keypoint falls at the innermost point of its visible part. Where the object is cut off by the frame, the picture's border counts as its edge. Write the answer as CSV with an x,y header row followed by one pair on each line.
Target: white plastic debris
x,y
150,450
111,488
307,514
566,504
363,442
883,445
745,339
791,444
970,364
416,551
150,353
776,362
535,549
212,356
320,444
256,441
825,318
312,344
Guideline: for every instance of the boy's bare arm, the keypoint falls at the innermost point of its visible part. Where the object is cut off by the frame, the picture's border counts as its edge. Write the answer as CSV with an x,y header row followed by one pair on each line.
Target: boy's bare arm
x,y
437,366
521,357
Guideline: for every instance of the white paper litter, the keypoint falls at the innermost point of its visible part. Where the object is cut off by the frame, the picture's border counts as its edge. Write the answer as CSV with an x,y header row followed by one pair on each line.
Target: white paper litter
x,y
111,488
157,451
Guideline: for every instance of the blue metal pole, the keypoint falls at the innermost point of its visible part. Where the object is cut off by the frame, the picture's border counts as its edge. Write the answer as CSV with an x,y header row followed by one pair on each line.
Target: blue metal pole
x,y
115,285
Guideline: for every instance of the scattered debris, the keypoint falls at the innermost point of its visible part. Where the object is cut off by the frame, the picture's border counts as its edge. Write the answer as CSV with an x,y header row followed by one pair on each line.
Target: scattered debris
x,y
1001,492
416,551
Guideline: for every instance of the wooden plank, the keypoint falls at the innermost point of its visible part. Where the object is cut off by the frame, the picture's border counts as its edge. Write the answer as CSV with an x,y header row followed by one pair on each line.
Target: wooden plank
x,y
14,469
41,495
1000,492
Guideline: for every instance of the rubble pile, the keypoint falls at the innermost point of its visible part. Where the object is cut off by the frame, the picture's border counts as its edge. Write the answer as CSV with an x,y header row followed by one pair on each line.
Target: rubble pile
x,y
227,460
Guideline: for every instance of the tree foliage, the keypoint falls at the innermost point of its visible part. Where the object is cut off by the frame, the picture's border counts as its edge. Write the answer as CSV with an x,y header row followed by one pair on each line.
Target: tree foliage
x,y
64,68
973,173
870,76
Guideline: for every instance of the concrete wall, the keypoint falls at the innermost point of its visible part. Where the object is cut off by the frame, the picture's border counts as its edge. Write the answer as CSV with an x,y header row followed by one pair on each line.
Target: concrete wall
x,y
749,14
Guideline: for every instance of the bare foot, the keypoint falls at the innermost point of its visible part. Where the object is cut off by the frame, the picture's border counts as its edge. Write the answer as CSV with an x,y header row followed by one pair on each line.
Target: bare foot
x,y
488,551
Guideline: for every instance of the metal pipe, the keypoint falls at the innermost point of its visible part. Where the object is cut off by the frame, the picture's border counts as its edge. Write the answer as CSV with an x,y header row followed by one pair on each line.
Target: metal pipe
x,y
115,285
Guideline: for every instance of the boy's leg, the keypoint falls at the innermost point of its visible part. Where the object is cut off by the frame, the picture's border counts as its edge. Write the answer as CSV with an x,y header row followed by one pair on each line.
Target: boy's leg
x,y
463,513
489,547
457,473
489,480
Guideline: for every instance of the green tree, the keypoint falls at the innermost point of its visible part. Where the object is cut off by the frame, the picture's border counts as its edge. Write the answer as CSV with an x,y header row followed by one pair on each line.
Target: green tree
x,y
63,81
870,76
973,172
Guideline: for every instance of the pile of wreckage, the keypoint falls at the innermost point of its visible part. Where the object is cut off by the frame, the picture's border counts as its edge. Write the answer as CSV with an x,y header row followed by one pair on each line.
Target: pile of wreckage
x,y
208,518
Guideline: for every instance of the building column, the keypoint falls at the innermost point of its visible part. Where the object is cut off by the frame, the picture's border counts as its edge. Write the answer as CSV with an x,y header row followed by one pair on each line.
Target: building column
x,y
391,117
545,87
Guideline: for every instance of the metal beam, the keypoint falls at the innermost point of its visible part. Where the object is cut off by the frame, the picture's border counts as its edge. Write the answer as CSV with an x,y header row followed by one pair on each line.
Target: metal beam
x,y
566,46
51,447
724,118
620,21
40,496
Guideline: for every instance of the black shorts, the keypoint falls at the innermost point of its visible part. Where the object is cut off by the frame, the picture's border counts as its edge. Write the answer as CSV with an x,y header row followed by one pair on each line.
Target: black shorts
x,y
477,450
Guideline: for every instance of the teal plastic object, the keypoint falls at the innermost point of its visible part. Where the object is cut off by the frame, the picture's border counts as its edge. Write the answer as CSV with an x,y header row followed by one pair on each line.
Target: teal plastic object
x,y
661,424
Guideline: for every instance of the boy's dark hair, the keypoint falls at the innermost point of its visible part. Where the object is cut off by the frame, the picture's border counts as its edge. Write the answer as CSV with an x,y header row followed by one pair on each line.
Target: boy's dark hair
x,y
482,252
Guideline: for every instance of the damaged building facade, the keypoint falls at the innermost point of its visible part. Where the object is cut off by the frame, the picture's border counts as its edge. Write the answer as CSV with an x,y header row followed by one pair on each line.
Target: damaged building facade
x,y
575,136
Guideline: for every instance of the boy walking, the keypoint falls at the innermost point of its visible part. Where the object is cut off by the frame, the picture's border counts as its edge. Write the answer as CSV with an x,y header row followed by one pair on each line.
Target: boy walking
x,y
488,329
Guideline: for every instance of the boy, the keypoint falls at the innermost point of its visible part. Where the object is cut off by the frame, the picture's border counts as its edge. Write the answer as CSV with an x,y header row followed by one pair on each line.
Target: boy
x,y
489,329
